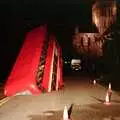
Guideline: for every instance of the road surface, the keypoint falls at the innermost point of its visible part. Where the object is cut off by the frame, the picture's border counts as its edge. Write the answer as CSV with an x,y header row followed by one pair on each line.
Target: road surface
x,y
87,100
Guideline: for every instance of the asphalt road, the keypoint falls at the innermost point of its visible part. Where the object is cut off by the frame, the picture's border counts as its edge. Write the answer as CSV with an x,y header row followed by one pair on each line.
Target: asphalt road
x,y
87,99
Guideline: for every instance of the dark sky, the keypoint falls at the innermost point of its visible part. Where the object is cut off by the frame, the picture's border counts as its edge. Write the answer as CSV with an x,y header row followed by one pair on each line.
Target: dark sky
x,y
18,16
34,12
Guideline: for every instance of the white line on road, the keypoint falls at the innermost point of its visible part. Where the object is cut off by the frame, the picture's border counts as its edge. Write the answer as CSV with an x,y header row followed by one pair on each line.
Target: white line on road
x,y
5,100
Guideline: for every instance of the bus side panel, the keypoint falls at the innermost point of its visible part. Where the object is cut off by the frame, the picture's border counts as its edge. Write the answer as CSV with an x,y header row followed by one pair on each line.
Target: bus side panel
x,y
24,70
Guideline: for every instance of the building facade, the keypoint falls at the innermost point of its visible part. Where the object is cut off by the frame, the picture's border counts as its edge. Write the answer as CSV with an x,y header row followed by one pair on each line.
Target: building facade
x,y
104,13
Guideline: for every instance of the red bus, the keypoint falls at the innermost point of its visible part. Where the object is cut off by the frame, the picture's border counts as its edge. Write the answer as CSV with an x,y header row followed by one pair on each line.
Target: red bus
x,y
38,67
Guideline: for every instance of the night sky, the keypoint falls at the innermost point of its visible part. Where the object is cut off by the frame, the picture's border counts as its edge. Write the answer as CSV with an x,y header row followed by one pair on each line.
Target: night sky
x,y
18,17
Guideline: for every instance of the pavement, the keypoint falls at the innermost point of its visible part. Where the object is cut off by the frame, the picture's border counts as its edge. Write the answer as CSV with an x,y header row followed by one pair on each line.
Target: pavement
x,y
87,99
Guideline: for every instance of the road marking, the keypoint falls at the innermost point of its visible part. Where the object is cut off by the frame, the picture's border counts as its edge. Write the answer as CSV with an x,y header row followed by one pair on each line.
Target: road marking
x,y
4,100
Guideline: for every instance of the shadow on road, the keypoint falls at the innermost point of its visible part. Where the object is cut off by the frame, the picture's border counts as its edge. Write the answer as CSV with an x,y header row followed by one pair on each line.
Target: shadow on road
x,y
97,99
102,101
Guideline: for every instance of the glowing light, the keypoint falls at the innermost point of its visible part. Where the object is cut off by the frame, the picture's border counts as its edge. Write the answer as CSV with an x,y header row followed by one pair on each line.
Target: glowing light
x,y
65,62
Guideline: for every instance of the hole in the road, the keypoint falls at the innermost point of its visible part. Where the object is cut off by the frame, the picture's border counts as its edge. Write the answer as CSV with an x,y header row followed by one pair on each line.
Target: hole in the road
x,y
48,113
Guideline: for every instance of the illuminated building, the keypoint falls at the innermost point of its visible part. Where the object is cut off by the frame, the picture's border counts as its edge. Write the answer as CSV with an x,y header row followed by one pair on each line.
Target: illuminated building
x,y
104,14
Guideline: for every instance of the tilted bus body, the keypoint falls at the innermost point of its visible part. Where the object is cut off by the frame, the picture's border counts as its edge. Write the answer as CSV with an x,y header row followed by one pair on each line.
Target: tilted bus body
x,y
38,67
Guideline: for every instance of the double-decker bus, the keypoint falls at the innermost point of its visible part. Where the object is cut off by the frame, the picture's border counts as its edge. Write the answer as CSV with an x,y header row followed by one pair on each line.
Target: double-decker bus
x,y
38,67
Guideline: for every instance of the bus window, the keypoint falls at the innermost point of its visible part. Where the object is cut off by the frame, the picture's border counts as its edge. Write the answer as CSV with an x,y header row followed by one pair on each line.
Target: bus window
x,y
41,66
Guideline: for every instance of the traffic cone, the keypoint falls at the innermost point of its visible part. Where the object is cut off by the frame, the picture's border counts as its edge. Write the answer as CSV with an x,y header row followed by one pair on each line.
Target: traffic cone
x,y
109,87
65,114
70,112
110,90
110,93
94,82
107,99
